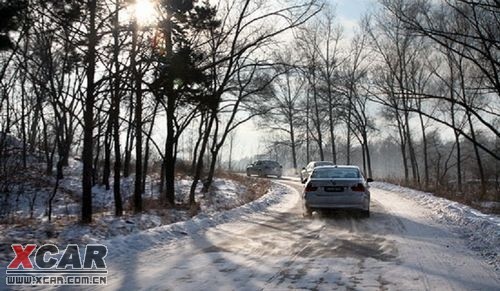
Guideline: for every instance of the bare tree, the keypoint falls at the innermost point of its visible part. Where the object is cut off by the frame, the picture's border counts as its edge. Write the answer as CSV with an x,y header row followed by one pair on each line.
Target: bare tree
x,y
88,115
355,81
245,32
285,103
328,52
467,29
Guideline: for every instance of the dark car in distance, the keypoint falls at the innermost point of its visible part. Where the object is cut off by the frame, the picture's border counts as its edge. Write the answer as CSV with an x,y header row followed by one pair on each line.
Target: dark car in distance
x,y
264,168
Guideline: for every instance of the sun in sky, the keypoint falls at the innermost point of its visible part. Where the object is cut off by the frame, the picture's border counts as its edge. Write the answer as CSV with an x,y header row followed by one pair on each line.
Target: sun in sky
x,y
145,11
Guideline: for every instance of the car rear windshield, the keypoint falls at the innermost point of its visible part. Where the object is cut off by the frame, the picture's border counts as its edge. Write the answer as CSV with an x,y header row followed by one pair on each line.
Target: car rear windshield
x,y
336,173
317,164
269,163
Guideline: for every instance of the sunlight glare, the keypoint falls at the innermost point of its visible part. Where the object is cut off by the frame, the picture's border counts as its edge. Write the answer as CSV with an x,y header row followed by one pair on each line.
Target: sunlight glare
x,y
145,12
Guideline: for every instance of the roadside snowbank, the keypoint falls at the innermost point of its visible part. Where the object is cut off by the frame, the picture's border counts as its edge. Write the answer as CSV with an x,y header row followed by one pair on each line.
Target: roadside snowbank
x,y
481,230
32,199
160,235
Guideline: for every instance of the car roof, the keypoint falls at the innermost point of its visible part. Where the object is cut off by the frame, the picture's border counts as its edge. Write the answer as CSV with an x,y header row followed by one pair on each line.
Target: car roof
x,y
338,166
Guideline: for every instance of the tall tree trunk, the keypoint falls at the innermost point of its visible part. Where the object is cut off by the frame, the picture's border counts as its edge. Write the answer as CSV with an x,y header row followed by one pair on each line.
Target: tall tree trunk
x,y
54,192
197,145
231,141
138,120
88,117
294,149
402,138
317,122
115,110
170,155
349,131
453,122
332,134
129,141
459,160
331,123
363,155
411,151
162,177
23,118
497,169
214,150
199,166
106,172
60,147
33,132
426,154
367,151
308,155
97,154
146,154
49,153
478,157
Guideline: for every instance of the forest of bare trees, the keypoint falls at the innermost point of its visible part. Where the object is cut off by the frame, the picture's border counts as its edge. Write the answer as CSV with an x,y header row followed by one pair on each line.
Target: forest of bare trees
x,y
81,78
414,94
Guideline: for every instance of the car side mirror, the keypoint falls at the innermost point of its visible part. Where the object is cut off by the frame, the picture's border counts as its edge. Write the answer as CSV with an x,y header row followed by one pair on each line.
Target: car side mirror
x,y
303,181
369,180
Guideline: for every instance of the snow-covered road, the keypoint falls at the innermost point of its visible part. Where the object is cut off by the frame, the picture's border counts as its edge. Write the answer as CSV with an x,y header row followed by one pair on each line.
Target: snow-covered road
x,y
400,247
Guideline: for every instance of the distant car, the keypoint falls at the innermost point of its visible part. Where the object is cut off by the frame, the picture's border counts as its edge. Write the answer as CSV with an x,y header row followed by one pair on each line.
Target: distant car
x,y
307,170
264,168
337,187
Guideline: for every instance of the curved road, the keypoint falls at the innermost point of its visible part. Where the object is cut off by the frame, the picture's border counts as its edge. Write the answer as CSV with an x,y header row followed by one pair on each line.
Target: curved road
x,y
400,247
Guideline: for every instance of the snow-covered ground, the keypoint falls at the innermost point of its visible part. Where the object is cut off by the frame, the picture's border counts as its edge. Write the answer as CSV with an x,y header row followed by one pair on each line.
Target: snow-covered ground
x,y
20,228
268,245
482,231
412,241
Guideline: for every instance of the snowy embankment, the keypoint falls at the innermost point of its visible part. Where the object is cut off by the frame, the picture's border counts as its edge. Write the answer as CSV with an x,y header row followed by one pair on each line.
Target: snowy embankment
x,y
23,213
160,235
482,231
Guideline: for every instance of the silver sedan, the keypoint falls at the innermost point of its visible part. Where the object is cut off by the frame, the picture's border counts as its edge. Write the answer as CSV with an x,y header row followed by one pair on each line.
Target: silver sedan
x,y
307,170
337,187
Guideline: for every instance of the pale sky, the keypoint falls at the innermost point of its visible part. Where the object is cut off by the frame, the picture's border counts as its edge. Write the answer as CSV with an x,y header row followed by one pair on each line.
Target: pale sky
x,y
352,9
249,138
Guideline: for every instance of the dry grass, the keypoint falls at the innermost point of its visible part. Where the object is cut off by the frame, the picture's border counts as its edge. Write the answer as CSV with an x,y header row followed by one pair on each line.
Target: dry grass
x,y
150,203
256,187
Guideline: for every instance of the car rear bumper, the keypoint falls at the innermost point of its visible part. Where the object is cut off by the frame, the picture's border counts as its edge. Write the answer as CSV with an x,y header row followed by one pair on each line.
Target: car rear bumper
x,y
264,172
356,201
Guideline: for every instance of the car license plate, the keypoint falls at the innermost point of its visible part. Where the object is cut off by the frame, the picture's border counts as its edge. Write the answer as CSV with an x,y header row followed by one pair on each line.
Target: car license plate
x,y
334,188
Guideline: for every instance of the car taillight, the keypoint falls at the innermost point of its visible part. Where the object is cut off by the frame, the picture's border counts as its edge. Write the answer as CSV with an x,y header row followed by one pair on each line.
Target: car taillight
x,y
310,188
358,188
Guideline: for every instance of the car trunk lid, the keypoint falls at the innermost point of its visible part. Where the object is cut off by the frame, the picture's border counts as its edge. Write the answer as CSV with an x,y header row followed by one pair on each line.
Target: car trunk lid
x,y
335,185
